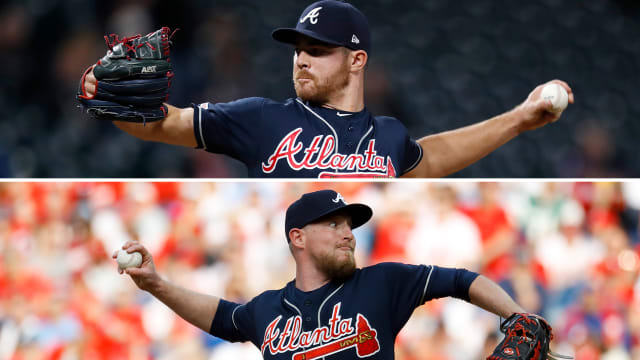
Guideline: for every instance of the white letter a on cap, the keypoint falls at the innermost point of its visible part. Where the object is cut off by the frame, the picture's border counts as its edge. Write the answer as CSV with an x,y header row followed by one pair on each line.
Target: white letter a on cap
x,y
312,16
339,198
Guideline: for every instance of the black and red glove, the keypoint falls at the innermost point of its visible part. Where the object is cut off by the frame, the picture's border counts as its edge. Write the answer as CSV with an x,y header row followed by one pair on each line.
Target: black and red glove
x,y
527,337
132,79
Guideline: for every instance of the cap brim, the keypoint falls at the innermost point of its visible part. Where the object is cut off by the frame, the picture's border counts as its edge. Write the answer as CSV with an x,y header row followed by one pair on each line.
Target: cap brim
x,y
359,214
292,35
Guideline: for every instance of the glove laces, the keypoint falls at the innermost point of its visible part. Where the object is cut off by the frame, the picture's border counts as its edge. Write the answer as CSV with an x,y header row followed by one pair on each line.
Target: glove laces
x,y
129,46
520,332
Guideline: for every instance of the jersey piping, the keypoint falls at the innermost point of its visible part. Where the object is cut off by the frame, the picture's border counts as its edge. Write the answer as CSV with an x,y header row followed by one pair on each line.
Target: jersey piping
x,y
293,306
417,160
426,284
204,144
323,120
360,142
321,305
299,313
233,314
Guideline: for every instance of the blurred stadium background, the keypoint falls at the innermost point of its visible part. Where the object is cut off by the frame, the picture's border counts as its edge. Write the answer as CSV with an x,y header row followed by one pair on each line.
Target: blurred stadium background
x,y
436,65
568,251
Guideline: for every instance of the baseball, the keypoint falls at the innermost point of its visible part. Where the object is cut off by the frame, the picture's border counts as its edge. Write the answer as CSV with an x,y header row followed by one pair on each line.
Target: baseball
x,y
558,96
126,260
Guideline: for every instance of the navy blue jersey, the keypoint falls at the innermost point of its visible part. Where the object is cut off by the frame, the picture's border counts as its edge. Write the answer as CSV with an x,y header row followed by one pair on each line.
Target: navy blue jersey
x,y
353,319
295,139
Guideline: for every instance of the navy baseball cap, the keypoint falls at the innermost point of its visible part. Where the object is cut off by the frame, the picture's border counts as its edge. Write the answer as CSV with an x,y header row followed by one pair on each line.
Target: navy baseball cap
x,y
330,21
315,205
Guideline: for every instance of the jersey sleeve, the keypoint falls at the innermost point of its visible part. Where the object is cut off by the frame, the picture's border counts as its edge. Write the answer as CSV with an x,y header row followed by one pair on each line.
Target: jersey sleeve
x,y
231,128
413,285
412,155
443,282
405,285
233,322
409,151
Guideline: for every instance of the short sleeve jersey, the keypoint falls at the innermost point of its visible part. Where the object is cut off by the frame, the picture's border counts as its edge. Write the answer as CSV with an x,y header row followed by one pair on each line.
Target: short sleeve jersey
x,y
295,139
358,318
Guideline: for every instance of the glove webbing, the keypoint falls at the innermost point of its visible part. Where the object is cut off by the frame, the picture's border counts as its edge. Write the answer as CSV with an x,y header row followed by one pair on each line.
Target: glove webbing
x,y
519,327
114,39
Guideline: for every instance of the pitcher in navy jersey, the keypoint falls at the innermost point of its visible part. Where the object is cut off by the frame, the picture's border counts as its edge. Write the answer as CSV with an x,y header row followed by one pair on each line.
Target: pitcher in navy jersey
x,y
327,131
332,309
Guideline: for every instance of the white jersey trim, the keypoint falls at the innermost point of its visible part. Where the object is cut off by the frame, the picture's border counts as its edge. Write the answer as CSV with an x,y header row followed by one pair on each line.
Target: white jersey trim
x,y
321,305
335,134
293,306
417,160
360,142
204,144
426,284
233,314
299,313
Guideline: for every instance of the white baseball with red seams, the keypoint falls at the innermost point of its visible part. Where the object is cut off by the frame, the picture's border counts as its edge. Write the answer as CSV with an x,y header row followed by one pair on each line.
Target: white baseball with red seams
x,y
558,96
126,260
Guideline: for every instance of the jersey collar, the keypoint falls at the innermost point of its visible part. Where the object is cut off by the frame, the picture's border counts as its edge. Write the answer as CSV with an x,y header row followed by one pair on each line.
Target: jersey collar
x,y
335,113
295,295
341,114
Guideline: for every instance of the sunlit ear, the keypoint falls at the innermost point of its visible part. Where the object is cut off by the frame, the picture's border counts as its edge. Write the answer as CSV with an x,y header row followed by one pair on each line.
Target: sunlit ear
x,y
358,60
297,240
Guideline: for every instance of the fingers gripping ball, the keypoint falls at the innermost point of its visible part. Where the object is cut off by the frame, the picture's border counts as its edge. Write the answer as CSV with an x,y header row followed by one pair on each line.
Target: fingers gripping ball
x,y
558,96
126,260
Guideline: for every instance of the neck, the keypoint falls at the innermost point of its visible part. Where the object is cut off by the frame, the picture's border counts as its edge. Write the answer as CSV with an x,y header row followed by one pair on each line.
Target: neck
x,y
308,278
351,98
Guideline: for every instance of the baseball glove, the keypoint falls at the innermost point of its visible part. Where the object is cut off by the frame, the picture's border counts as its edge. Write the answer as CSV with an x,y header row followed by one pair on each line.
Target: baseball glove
x,y
132,79
527,337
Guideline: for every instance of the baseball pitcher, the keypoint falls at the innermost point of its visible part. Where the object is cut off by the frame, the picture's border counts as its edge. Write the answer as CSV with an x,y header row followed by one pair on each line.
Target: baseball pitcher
x,y
325,132
334,310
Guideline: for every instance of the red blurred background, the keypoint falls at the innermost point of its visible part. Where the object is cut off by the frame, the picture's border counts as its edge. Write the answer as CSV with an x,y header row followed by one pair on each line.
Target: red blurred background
x,y
568,251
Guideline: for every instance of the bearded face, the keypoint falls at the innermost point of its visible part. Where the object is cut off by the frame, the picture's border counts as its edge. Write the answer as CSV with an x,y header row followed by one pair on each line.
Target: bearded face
x,y
336,264
319,75
331,246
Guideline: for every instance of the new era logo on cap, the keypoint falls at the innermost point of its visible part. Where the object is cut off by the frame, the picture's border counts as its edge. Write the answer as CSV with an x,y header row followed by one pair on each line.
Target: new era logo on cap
x,y
315,205
332,22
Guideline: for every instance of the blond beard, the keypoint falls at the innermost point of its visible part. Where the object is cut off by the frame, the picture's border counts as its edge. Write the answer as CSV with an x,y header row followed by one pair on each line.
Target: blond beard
x,y
322,90
333,268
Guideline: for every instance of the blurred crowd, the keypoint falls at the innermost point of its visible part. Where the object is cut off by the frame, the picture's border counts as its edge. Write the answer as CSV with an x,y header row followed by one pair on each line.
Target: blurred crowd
x,y
568,251
435,65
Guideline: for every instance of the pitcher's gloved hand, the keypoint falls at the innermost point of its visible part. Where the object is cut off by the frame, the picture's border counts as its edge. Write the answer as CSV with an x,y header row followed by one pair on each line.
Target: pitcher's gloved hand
x,y
131,82
527,337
